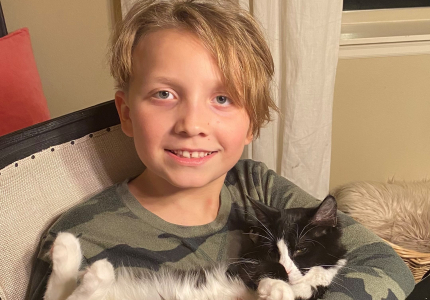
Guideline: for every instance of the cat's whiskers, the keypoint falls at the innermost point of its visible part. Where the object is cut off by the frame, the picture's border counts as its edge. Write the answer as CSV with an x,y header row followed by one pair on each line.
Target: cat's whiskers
x,y
334,282
267,244
322,266
314,241
244,261
305,228
247,253
253,233
265,229
302,235
339,272
337,257
297,233
309,224
264,226
344,267
247,273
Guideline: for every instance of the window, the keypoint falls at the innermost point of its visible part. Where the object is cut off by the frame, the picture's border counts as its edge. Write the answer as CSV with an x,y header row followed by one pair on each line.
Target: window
x,y
372,32
382,4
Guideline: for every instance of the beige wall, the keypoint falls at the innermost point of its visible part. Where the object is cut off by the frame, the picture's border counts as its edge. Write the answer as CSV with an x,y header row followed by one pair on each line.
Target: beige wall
x,y
70,40
381,119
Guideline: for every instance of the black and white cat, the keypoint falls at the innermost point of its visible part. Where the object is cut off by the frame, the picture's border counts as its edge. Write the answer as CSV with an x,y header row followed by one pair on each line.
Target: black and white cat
x,y
296,253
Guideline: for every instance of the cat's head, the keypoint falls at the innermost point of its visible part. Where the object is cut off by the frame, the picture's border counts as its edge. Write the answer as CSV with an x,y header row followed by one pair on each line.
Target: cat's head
x,y
294,241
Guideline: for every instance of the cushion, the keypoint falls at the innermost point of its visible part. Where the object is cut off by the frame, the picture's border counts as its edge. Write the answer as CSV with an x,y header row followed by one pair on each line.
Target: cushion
x,y
397,211
22,102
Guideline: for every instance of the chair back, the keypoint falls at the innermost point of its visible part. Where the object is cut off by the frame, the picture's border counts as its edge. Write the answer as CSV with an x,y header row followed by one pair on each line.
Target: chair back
x,y
47,168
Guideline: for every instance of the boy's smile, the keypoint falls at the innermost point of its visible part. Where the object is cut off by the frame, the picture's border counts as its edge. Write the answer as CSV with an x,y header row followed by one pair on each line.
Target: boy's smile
x,y
186,129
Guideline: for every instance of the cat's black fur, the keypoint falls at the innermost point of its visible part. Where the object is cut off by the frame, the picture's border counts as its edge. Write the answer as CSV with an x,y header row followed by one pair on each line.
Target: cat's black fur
x,y
313,236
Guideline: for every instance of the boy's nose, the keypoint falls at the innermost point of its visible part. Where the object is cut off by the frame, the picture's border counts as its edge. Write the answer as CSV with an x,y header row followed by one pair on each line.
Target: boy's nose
x,y
192,120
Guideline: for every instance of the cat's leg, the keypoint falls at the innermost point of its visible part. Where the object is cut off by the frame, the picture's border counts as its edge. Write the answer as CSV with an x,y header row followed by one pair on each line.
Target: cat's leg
x,y
96,282
274,289
314,283
303,290
66,258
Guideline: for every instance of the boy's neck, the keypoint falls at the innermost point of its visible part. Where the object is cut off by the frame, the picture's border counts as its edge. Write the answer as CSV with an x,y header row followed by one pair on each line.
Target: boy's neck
x,y
187,207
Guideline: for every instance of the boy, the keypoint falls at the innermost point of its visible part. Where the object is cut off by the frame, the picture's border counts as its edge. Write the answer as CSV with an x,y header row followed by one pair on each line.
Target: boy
x,y
193,89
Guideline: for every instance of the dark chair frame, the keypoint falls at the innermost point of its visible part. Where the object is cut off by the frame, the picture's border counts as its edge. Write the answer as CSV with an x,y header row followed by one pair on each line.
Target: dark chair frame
x,y
3,28
24,142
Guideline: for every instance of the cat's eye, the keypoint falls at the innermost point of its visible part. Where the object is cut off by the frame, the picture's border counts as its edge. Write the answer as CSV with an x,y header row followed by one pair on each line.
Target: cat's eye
x,y
300,251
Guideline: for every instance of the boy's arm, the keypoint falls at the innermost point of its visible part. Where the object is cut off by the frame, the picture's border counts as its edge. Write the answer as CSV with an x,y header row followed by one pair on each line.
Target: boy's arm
x,y
373,271
41,270
38,280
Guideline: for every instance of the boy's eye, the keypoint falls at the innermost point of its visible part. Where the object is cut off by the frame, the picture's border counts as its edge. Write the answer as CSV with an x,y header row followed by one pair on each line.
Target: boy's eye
x,y
222,100
164,95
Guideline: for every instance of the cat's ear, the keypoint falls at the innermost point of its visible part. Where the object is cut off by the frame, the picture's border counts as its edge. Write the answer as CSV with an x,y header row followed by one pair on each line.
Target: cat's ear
x,y
326,214
265,214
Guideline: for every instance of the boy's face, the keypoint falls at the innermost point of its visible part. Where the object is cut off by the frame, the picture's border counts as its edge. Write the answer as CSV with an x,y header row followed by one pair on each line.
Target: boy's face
x,y
186,130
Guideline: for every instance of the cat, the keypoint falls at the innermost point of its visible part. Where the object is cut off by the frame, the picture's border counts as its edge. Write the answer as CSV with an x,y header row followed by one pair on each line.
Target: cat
x,y
295,254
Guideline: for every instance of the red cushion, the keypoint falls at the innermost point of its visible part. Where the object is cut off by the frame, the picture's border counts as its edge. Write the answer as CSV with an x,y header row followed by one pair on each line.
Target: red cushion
x,y
22,102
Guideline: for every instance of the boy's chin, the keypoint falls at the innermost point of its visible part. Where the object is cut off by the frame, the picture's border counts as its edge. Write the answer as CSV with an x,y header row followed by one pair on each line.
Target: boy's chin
x,y
192,182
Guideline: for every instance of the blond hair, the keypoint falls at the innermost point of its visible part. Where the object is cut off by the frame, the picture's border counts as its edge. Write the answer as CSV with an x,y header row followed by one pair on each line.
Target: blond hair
x,y
227,31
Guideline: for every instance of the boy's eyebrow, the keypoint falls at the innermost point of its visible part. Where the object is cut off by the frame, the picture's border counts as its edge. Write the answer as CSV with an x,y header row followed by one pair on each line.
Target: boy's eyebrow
x,y
164,79
171,81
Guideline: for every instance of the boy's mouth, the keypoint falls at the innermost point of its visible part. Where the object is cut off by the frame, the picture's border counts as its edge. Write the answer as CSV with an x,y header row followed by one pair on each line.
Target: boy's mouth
x,y
190,154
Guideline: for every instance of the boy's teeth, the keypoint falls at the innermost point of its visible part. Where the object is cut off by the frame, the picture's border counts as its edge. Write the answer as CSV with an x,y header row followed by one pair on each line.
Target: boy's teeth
x,y
188,154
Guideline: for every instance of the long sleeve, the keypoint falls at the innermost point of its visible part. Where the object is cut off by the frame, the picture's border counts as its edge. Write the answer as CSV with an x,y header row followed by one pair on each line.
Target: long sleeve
x,y
374,270
41,270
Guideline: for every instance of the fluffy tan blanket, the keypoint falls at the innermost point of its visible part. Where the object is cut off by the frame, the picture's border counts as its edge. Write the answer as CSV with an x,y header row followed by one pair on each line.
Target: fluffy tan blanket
x,y
396,211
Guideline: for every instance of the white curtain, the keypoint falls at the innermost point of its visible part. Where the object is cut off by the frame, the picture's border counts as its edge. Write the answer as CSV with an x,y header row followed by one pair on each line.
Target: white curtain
x,y
126,5
304,39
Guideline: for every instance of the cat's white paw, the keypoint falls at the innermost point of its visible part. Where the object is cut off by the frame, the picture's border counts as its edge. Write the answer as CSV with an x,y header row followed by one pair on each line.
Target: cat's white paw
x,y
274,289
101,274
96,282
66,255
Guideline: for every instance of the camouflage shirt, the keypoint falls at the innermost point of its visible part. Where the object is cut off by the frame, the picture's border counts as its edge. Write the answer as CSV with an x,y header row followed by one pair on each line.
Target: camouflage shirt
x,y
115,226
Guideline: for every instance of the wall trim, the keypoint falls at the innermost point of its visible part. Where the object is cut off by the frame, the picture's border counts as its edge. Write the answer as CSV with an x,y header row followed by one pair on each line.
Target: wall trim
x,y
383,33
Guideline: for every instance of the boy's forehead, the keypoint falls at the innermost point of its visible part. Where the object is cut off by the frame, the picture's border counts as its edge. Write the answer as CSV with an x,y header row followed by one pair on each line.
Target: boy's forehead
x,y
167,50
158,40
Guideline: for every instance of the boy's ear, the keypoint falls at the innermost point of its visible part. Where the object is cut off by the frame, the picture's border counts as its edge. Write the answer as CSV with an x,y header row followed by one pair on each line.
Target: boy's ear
x,y
249,137
124,113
